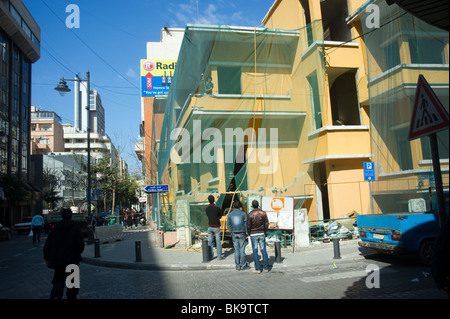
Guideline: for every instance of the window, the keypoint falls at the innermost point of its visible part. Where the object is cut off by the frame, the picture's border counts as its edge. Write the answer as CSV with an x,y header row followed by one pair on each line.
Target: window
x,y
307,17
427,50
404,155
315,101
392,55
344,99
229,79
442,139
334,14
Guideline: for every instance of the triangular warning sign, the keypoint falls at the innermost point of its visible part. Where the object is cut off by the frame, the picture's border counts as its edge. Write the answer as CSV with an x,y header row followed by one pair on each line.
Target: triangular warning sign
x,y
428,116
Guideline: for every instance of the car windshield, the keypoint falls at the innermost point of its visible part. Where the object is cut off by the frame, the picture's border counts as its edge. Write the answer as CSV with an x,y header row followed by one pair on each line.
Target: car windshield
x,y
26,220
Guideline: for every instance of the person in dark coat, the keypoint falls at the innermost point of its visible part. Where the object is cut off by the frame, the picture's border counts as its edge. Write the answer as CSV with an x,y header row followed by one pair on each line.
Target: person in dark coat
x,y
63,247
257,226
129,218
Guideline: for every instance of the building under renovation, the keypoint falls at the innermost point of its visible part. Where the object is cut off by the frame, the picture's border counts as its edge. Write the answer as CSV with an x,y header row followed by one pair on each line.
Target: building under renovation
x,y
288,114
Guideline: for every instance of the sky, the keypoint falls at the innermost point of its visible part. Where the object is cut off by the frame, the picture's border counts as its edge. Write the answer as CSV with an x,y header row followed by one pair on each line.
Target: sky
x,y
109,42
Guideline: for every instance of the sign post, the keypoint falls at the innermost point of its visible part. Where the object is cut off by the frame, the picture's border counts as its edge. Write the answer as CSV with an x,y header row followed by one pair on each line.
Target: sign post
x,y
369,175
429,117
158,189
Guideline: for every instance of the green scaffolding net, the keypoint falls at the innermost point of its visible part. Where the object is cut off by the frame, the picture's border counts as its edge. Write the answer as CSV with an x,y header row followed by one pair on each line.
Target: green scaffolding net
x,y
398,50
237,119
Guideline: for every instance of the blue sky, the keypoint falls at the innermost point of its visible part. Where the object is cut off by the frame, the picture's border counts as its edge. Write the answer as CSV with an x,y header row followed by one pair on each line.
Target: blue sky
x,y
109,43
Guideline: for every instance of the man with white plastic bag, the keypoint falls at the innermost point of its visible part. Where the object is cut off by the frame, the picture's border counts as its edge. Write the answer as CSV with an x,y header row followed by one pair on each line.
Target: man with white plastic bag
x,y
36,226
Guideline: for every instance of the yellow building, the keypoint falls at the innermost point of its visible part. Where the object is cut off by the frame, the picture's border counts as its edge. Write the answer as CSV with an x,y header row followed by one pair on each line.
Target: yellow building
x,y
400,50
287,111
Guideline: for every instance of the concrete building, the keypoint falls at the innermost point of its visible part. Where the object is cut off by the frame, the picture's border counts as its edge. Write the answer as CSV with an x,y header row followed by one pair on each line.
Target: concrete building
x,y
97,112
19,49
47,134
153,105
75,141
341,126
334,95
71,177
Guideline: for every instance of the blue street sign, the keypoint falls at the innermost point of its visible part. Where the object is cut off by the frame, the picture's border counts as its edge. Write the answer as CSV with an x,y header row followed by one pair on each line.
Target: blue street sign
x,y
369,171
156,188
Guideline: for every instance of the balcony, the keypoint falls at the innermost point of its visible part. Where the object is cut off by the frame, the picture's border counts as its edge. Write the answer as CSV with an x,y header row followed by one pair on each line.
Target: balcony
x,y
139,150
341,142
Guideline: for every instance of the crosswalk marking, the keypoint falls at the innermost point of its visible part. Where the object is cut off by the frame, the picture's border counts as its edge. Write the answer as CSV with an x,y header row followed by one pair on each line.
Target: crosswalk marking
x,y
340,275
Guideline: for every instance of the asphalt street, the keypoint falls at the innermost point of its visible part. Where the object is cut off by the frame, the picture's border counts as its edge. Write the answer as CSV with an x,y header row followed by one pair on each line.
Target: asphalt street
x,y
24,275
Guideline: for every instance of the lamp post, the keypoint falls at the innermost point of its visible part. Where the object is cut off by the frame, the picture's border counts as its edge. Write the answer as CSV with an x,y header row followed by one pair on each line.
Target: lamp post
x,y
62,88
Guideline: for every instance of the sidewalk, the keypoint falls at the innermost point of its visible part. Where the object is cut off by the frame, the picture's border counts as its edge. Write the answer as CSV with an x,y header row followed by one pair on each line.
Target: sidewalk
x,y
122,254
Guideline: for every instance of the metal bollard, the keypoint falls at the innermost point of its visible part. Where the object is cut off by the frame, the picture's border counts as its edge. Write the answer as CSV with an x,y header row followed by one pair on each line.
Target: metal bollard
x,y
278,252
337,251
205,250
138,251
96,248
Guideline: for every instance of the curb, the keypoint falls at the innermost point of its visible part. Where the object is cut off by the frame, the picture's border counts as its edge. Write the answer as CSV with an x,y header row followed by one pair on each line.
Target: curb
x,y
277,267
155,267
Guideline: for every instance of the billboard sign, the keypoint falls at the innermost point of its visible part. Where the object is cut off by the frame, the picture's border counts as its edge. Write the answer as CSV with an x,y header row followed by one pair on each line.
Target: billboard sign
x,y
280,212
156,77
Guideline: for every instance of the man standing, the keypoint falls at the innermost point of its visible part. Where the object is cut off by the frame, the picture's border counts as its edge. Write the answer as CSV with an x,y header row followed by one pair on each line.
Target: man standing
x,y
257,225
63,247
214,214
36,226
236,222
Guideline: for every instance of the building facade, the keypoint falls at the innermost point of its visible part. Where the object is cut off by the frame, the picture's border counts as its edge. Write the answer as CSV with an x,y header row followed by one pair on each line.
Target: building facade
x,y
101,147
97,112
153,106
47,134
296,109
19,49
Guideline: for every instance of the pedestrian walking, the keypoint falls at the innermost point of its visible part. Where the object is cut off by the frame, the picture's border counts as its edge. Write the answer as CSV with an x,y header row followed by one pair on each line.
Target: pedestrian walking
x,y
214,214
94,223
135,217
257,225
37,222
129,217
237,221
63,247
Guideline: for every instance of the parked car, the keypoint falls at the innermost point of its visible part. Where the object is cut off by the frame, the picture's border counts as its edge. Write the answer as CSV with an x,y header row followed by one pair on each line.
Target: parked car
x,y
5,232
24,226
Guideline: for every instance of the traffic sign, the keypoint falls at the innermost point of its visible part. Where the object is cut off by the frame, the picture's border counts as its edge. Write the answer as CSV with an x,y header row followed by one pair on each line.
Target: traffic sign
x,y
428,116
156,188
369,171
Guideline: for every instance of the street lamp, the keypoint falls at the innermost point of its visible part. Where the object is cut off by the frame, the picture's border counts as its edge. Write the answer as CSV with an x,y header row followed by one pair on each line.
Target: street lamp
x,y
62,88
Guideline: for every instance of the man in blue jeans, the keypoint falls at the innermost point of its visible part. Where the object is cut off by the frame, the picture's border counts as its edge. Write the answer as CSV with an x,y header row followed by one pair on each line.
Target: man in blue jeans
x,y
214,214
257,225
237,221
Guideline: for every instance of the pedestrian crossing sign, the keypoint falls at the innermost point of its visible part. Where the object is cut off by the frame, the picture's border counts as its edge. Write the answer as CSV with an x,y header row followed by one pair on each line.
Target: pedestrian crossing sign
x,y
429,115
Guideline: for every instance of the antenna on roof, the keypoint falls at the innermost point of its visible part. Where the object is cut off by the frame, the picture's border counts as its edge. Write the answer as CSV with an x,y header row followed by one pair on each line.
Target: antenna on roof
x,y
168,31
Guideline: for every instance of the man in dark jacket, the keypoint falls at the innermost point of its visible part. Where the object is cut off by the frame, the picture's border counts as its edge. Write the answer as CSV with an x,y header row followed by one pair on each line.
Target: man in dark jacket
x,y
63,247
214,214
257,225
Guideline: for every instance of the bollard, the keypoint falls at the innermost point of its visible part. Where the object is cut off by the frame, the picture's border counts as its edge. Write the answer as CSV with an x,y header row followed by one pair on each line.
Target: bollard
x,y
96,248
278,252
337,251
138,251
205,250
